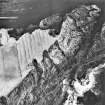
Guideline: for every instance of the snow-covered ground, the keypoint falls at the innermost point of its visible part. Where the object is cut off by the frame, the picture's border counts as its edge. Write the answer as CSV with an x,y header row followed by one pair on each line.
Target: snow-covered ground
x,y
16,55
79,89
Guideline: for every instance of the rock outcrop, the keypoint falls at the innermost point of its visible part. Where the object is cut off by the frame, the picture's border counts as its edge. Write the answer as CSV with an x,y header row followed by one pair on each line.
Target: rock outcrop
x,y
67,74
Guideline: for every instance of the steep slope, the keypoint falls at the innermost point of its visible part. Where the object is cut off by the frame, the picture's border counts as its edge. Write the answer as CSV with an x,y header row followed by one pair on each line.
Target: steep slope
x,y
66,74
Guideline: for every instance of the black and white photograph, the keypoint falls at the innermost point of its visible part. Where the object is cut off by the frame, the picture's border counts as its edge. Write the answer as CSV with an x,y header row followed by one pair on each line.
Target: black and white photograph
x,y
52,52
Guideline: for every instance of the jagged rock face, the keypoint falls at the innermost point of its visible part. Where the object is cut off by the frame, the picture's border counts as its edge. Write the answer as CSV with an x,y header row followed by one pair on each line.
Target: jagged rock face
x,y
59,78
51,21
16,57
78,25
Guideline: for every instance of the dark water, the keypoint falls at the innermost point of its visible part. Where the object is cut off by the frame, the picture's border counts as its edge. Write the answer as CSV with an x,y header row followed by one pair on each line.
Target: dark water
x,y
35,10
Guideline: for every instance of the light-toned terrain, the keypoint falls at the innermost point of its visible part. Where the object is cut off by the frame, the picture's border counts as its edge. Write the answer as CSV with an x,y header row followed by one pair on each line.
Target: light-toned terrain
x,y
16,56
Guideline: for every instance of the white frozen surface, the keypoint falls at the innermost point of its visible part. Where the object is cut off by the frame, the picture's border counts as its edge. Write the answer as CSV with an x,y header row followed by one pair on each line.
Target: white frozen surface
x,y
16,55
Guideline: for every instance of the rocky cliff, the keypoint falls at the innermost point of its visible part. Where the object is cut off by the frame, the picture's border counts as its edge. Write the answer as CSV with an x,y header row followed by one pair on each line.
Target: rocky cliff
x,y
71,70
